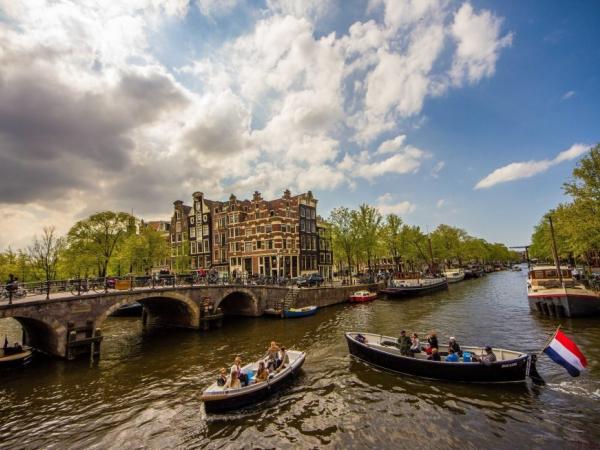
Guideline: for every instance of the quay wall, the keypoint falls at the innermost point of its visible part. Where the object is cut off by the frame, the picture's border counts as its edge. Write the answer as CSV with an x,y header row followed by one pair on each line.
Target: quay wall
x,y
328,296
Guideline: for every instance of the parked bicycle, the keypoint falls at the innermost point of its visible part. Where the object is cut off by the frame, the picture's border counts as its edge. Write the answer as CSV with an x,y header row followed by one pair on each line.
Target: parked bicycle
x,y
79,287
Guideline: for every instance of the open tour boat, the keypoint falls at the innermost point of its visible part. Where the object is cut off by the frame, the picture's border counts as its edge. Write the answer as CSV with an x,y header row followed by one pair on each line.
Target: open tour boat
x,y
219,398
413,283
511,366
454,275
362,296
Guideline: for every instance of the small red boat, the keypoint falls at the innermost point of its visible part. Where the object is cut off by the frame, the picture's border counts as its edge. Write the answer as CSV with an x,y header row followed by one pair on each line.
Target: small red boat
x,y
362,296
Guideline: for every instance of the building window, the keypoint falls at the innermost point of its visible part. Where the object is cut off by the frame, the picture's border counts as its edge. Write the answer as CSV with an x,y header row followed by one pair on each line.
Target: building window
x,y
178,237
206,246
258,245
313,214
177,215
205,230
205,218
302,227
312,227
192,232
248,246
193,248
268,229
192,220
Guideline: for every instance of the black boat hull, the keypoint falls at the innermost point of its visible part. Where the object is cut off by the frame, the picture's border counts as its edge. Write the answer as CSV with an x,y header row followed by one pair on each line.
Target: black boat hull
x,y
499,372
399,292
228,402
17,363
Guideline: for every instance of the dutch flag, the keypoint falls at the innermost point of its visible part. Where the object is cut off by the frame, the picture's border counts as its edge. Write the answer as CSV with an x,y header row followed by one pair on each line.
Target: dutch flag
x,y
563,351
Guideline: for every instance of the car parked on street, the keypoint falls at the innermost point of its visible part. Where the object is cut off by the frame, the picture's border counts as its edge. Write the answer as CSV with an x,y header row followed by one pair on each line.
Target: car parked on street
x,y
314,279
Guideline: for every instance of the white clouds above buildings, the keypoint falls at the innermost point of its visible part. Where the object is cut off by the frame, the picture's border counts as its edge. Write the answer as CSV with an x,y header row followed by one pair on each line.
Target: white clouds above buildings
x,y
527,169
85,97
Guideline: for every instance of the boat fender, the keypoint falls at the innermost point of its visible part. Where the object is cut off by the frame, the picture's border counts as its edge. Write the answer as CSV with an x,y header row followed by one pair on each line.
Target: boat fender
x,y
533,373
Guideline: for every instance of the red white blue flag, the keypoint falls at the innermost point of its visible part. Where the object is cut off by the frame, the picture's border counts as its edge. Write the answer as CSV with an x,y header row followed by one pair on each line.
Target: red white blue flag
x,y
563,351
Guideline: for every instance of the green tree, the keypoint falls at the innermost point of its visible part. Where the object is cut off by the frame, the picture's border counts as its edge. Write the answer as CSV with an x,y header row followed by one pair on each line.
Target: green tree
x,y
366,223
391,235
98,236
44,254
342,236
140,252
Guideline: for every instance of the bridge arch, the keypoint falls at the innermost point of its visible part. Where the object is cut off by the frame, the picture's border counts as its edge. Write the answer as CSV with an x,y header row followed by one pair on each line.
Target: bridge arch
x,y
46,335
239,302
168,308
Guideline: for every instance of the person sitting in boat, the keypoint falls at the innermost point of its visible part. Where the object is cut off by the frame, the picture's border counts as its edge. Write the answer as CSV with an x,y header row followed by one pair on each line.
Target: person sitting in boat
x,y
273,356
432,340
435,356
222,379
488,358
235,374
262,374
404,344
452,356
416,344
284,359
452,344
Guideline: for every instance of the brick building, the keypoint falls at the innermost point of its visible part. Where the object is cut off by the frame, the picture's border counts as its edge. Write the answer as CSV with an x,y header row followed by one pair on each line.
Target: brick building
x,y
277,237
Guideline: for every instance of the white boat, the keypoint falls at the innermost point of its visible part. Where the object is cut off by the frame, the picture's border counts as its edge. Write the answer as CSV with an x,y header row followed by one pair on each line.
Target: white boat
x,y
220,398
454,275
413,283
570,298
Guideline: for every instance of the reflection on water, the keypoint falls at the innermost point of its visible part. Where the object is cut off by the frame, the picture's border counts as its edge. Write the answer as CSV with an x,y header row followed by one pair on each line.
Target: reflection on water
x,y
144,391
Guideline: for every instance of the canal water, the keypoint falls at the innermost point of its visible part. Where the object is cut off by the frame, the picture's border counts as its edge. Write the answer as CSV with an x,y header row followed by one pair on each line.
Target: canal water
x,y
144,392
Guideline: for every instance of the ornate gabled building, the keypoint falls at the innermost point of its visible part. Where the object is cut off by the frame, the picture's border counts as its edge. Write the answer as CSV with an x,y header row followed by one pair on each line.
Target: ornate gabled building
x,y
271,238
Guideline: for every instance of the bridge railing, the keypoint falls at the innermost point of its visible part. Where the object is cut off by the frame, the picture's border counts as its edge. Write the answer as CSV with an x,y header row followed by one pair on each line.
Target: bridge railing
x,y
41,290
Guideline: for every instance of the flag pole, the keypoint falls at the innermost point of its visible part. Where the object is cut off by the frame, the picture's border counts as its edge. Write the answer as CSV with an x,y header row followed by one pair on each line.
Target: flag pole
x,y
549,340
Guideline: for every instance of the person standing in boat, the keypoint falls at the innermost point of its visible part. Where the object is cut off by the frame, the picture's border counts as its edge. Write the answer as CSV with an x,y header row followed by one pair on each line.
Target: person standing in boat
x,y
404,344
452,344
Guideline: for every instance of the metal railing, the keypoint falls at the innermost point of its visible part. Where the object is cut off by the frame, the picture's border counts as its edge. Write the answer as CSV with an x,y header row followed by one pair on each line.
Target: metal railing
x,y
81,286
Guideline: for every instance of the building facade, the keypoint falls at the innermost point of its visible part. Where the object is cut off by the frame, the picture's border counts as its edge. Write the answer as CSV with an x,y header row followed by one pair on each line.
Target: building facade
x,y
273,238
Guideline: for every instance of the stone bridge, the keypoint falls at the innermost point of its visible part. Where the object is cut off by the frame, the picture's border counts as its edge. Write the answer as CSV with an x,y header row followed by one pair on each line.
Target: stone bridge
x,y
67,325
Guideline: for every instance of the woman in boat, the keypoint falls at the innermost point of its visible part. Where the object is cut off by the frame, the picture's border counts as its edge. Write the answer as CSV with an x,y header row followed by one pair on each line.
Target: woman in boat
x,y
416,344
433,340
284,359
273,356
234,374
262,374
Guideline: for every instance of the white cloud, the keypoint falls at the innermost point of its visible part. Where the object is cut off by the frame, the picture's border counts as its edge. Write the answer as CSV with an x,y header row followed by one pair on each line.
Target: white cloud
x,y
386,205
213,8
519,170
569,94
407,160
440,203
478,44
268,109
392,145
435,171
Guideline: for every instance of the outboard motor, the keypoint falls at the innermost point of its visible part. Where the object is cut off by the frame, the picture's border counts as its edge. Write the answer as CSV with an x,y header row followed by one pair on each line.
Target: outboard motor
x,y
533,373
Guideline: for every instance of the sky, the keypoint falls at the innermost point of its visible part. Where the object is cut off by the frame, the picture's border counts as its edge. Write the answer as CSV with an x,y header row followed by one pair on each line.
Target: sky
x,y
471,114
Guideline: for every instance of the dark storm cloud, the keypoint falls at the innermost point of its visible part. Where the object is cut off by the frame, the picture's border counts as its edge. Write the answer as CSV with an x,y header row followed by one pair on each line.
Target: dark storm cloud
x,y
54,137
